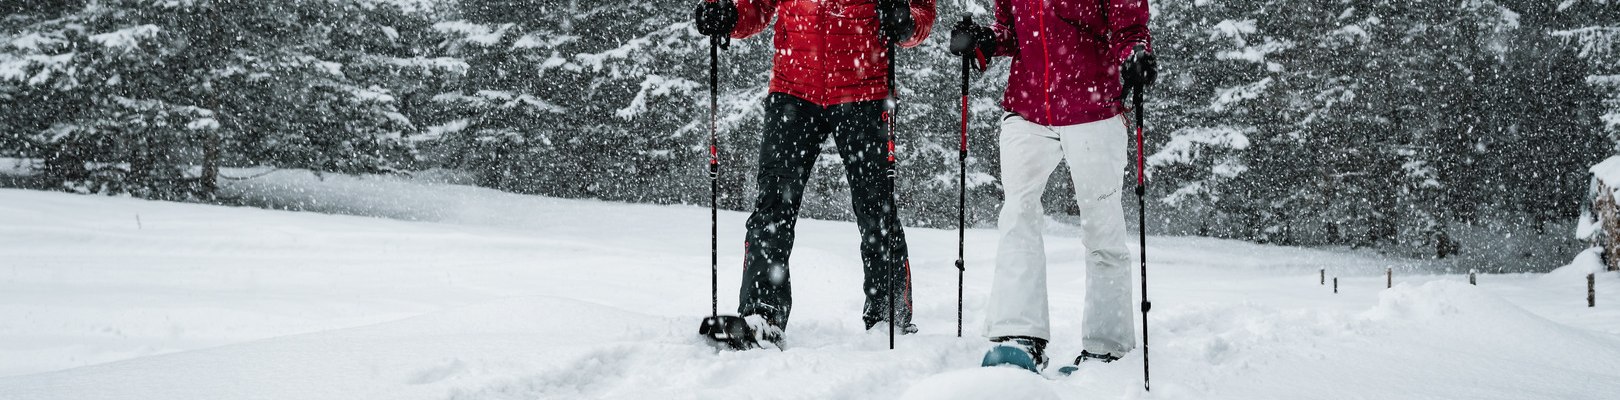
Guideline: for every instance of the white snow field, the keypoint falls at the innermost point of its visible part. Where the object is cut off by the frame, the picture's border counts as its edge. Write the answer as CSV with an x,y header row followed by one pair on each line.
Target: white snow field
x,y
439,291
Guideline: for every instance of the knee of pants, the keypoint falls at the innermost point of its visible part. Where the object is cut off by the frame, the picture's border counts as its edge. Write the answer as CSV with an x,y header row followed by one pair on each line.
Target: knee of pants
x,y
1111,256
779,184
868,182
871,196
1098,195
1021,210
1107,248
778,175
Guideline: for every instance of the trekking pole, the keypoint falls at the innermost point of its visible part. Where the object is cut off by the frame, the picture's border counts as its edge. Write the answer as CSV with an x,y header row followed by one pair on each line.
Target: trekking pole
x,y
961,200
890,106
715,42
1141,226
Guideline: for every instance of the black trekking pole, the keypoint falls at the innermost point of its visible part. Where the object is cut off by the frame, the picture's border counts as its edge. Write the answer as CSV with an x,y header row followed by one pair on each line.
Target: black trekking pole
x,y
714,176
891,105
961,200
1141,225
729,330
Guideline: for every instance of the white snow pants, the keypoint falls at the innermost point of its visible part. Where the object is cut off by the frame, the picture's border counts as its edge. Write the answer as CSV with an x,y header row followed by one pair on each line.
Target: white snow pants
x,y
1096,153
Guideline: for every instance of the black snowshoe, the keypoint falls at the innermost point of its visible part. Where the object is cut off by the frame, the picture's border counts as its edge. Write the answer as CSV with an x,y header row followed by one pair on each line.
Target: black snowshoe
x,y
903,329
1086,356
732,332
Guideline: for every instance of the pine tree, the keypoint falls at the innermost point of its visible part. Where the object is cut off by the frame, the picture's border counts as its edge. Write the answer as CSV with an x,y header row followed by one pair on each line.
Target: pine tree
x,y
152,98
1596,35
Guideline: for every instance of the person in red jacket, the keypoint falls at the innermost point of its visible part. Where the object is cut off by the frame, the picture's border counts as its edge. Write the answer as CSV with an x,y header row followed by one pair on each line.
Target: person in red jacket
x,y
828,78
1063,102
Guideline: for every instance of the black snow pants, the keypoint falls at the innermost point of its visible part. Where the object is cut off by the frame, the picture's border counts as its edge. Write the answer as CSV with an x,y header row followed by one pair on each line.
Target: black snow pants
x,y
794,132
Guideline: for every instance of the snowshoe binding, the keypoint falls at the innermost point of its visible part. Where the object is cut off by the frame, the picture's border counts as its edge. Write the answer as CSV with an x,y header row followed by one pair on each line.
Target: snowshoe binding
x,y
1086,356
1018,351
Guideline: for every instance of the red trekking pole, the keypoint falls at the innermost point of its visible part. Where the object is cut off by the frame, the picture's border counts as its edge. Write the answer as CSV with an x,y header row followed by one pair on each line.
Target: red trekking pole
x,y
1141,220
961,200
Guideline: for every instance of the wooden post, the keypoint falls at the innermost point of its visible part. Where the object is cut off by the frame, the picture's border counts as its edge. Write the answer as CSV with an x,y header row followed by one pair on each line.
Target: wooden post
x,y
1471,279
1389,277
1322,274
1335,285
1591,290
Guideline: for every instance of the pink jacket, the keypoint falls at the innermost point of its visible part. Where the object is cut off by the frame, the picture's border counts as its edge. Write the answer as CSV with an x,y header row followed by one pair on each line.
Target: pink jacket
x,y
1066,56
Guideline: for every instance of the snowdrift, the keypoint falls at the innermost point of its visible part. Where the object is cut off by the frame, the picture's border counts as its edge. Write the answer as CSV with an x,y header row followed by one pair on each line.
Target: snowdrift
x,y
406,289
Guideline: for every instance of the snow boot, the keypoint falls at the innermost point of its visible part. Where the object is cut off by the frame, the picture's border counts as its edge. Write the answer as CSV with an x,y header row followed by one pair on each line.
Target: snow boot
x,y
903,329
1020,351
765,332
1084,357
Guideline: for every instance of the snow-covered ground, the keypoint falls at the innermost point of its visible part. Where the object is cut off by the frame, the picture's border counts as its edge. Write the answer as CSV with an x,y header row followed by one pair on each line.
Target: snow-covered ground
x,y
438,291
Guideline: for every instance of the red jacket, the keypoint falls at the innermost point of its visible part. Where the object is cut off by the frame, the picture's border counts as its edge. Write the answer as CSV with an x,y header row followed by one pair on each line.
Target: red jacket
x,y
828,51
1066,56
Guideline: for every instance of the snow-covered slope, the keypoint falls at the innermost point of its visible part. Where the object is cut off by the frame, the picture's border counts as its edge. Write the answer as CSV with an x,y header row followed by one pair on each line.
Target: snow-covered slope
x,y
466,293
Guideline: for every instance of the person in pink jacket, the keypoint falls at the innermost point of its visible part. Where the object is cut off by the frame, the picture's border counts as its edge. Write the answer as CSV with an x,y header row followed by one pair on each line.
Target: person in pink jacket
x,y
1063,103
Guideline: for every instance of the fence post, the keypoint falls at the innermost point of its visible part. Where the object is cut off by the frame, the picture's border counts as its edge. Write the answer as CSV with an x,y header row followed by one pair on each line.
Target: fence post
x,y
1335,285
1591,290
1322,274
1389,277
1471,279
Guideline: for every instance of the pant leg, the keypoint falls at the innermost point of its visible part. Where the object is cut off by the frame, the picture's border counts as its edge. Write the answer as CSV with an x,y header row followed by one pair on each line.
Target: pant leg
x,y
787,152
863,143
1096,153
1018,303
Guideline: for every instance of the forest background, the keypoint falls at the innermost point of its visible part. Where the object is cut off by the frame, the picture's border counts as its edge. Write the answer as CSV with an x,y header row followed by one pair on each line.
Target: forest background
x,y
1455,130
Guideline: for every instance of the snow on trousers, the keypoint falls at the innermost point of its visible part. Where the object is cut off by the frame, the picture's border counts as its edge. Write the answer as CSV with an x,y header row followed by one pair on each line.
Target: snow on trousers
x,y
1096,154
794,131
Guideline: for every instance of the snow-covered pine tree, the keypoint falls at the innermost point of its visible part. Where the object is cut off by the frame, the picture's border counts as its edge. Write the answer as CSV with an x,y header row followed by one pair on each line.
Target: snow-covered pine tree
x,y
150,98
1543,146
1595,32
1216,92
105,114
318,84
1451,57
615,99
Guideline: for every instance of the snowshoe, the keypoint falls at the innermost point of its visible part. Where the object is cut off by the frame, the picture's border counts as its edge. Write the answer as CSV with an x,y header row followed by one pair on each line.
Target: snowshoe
x,y
1018,351
903,329
741,333
1084,357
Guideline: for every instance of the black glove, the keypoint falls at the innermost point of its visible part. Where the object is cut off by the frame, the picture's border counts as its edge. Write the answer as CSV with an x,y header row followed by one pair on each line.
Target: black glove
x,y
716,18
970,39
895,17
1140,69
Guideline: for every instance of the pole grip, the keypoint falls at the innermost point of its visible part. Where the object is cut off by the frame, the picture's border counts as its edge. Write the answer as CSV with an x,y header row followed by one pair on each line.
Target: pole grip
x,y
1141,156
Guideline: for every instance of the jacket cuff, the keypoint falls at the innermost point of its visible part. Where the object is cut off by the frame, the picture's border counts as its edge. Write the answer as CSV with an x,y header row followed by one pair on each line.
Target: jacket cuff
x,y
925,23
1123,51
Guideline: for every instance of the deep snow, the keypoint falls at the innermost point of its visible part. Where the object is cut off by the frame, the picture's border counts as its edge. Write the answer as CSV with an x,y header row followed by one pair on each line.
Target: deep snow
x,y
466,293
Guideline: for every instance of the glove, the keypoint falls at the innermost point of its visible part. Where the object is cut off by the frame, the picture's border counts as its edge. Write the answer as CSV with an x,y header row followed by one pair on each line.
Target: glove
x,y
1140,69
970,39
716,18
895,18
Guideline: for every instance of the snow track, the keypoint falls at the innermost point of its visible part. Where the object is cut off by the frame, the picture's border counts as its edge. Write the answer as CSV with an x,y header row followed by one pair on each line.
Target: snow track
x,y
466,293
